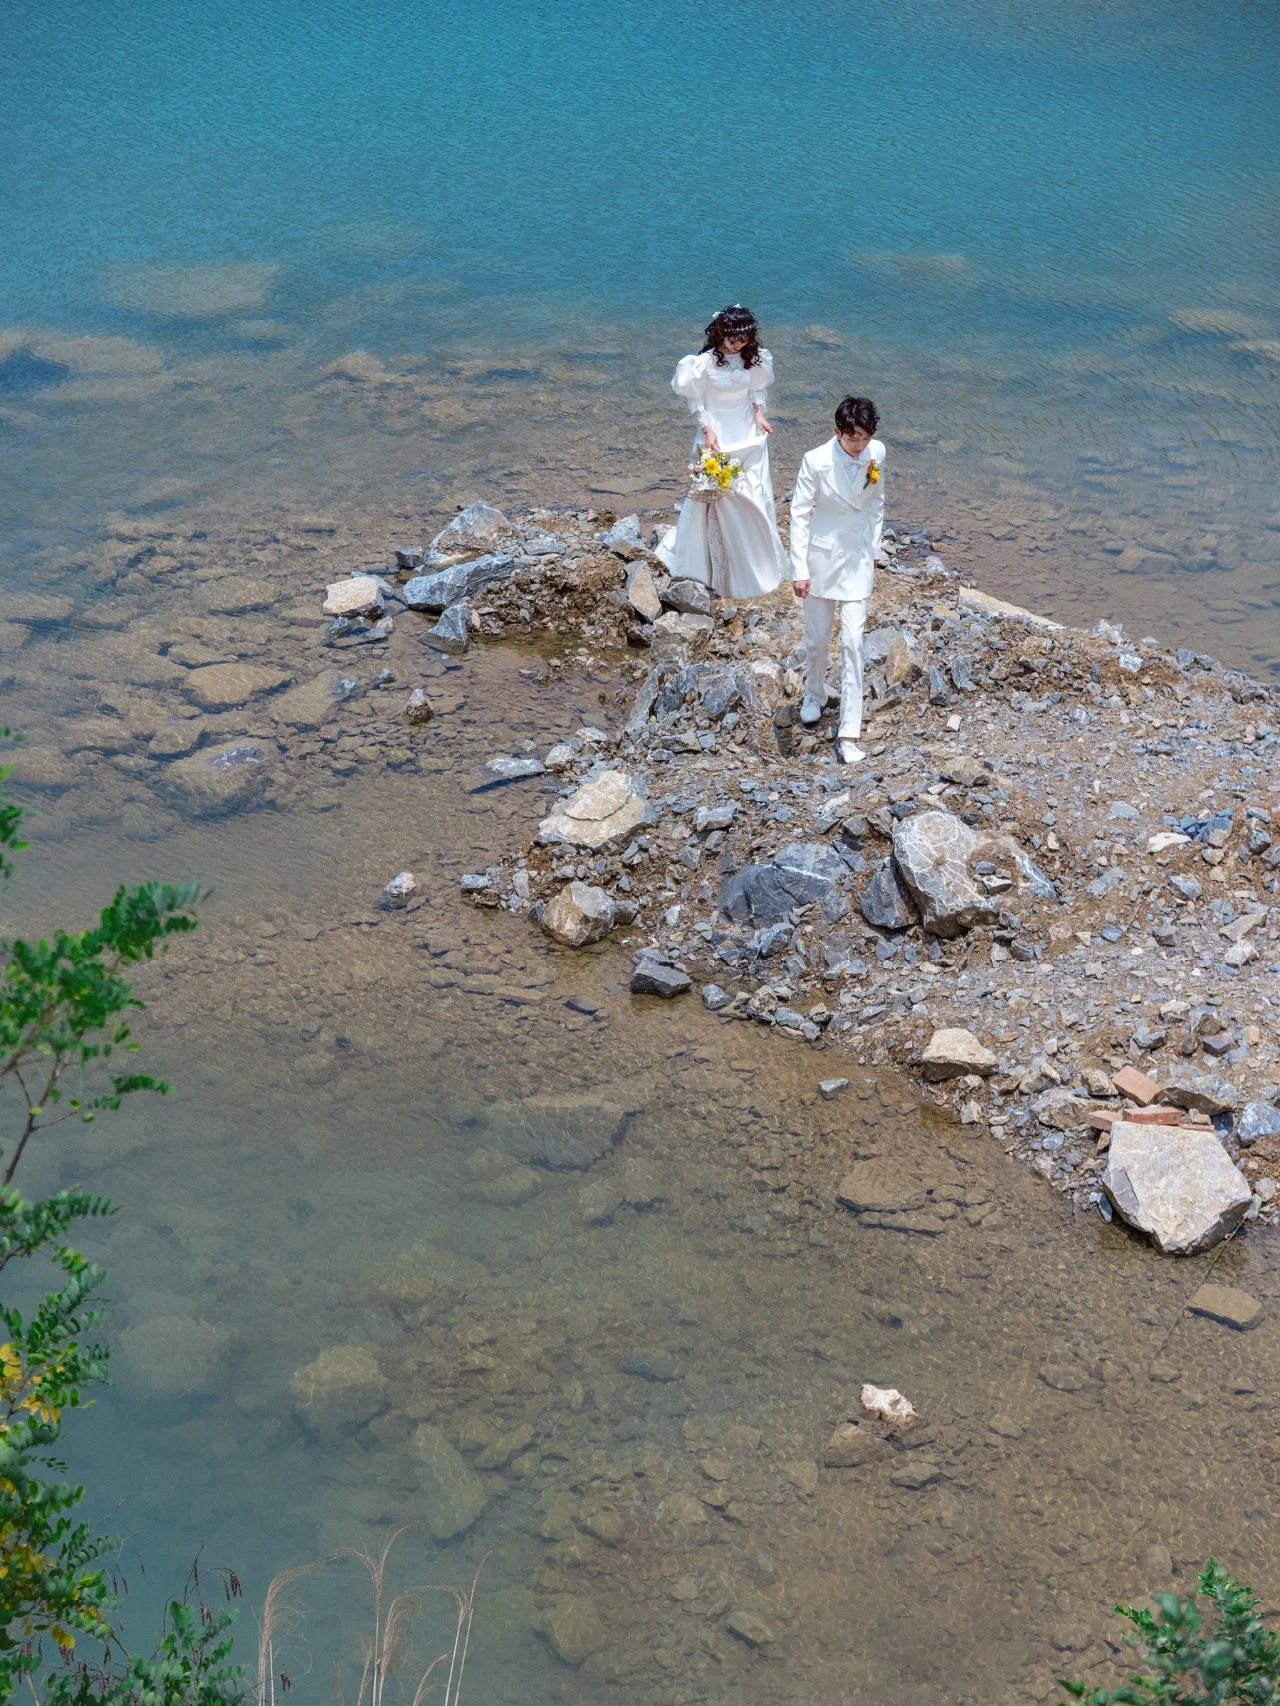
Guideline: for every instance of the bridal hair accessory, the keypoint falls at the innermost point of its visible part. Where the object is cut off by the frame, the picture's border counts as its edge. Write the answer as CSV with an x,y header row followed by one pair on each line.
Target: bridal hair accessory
x,y
711,475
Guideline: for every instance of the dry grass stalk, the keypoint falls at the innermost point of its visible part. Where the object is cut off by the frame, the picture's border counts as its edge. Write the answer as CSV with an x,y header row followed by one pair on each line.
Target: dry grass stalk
x,y
280,1617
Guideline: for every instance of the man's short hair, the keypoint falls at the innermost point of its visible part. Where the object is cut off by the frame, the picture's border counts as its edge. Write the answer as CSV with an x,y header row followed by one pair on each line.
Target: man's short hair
x,y
857,414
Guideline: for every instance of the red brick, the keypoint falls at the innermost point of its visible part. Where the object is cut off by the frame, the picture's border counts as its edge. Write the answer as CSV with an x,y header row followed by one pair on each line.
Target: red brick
x,y
1156,1116
1136,1085
1102,1119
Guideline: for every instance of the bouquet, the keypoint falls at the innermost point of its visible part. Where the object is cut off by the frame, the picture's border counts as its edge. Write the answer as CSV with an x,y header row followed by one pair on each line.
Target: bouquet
x,y
711,474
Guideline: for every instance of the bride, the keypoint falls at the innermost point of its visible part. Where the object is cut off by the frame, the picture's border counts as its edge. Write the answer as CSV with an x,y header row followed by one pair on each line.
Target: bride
x,y
731,545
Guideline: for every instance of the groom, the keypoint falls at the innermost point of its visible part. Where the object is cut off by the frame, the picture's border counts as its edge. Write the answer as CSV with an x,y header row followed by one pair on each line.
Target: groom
x,y
837,518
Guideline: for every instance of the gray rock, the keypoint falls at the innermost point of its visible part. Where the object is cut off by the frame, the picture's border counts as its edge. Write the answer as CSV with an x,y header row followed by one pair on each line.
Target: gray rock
x,y
453,1497
437,591
642,594
656,977
886,904
799,875
719,690
623,538
932,852
1122,811
410,556
452,633
1257,1119
830,1087
473,529
1202,1091
563,1133
714,817
1061,1110
1177,1185
1187,887
418,707
678,635
714,998
579,914
1111,879
646,697
936,687
691,596
398,892
499,771
1226,1304
961,669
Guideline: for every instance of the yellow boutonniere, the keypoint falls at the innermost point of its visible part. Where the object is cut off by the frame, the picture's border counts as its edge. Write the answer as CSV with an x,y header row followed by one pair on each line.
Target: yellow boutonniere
x,y
873,473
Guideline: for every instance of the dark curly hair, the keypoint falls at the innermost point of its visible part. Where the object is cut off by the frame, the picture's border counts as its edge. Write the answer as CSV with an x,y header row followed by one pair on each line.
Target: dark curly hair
x,y
735,321
856,414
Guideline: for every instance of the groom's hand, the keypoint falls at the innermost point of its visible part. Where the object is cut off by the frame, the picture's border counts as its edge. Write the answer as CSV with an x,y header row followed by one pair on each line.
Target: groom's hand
x,y
800,588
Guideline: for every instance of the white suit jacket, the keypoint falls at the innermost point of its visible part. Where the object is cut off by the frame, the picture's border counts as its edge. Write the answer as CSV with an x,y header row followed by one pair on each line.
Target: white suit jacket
x,y
837,522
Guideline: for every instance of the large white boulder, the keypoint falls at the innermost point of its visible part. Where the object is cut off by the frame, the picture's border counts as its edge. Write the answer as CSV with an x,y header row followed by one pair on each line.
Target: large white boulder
x,y
603,811
1178,1185
954,1053
358,595
932,851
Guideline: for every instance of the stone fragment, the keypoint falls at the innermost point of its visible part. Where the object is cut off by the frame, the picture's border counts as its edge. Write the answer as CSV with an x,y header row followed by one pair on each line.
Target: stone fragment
x,y
418,707
445,587
1187,887
642,594
499,1180
452,633
799,875
398,892
830,1087
358,595
636,1183
1061,1110
1240,954
1135,1085
937,687
693,597
174,737
573,1628
900,667
985,605
888,1404
1226,1304
1165,839
452,1496
916,1474
853,1447
223,686
579,914
1202,1091
623,538
1176,1184
885,902
932,850
750,1627
651,976
954,1052
677,634
339,1392
602,813
1257,1119
714,998
499,771
961,671
1064,1376
474,528
311,704
1006,1426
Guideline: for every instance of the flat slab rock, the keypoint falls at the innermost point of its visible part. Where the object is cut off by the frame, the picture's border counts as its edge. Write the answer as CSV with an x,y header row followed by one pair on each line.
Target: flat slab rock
x,y
602,811
563,1133
1226,1304
954,1053
1177,1185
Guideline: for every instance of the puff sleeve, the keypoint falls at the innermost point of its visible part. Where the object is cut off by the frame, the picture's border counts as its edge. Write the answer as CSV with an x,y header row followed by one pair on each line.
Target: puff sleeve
x,y
761,378
690,383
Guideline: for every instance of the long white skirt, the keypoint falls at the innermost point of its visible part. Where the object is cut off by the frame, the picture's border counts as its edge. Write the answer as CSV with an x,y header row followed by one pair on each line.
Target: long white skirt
x,y
732,545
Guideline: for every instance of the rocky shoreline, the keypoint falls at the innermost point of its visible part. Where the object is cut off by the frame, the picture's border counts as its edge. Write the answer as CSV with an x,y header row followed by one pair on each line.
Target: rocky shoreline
x,y
1048,892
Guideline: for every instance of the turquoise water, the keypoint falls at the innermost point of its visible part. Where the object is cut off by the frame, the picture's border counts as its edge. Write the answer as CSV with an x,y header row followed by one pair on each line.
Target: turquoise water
x,y
1043,235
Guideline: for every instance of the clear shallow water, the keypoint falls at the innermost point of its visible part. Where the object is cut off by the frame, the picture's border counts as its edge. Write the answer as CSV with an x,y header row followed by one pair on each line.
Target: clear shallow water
x,y
1043,236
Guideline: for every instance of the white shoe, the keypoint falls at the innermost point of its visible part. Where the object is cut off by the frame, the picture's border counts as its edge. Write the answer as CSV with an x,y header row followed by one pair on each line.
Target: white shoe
x,y
851,752
811,710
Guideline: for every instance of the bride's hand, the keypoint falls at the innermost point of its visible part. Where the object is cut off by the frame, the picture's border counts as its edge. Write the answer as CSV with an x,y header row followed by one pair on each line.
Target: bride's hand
x,y
710,440
762,423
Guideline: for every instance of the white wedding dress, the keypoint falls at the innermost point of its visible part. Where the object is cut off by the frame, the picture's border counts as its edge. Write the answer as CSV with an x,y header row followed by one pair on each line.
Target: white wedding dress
x,y
732,545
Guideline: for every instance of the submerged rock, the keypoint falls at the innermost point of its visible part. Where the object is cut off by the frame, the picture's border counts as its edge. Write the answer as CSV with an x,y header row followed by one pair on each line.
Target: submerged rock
x,y
339,1392
1176,1184
653,975
454,1498
932,851
398,892
174,1356
224,686
564,1133
499,771
418,707
220,778
572,1626
312,703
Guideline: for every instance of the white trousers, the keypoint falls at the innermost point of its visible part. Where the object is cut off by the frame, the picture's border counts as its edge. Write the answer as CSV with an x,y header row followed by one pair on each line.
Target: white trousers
x,y
819,619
